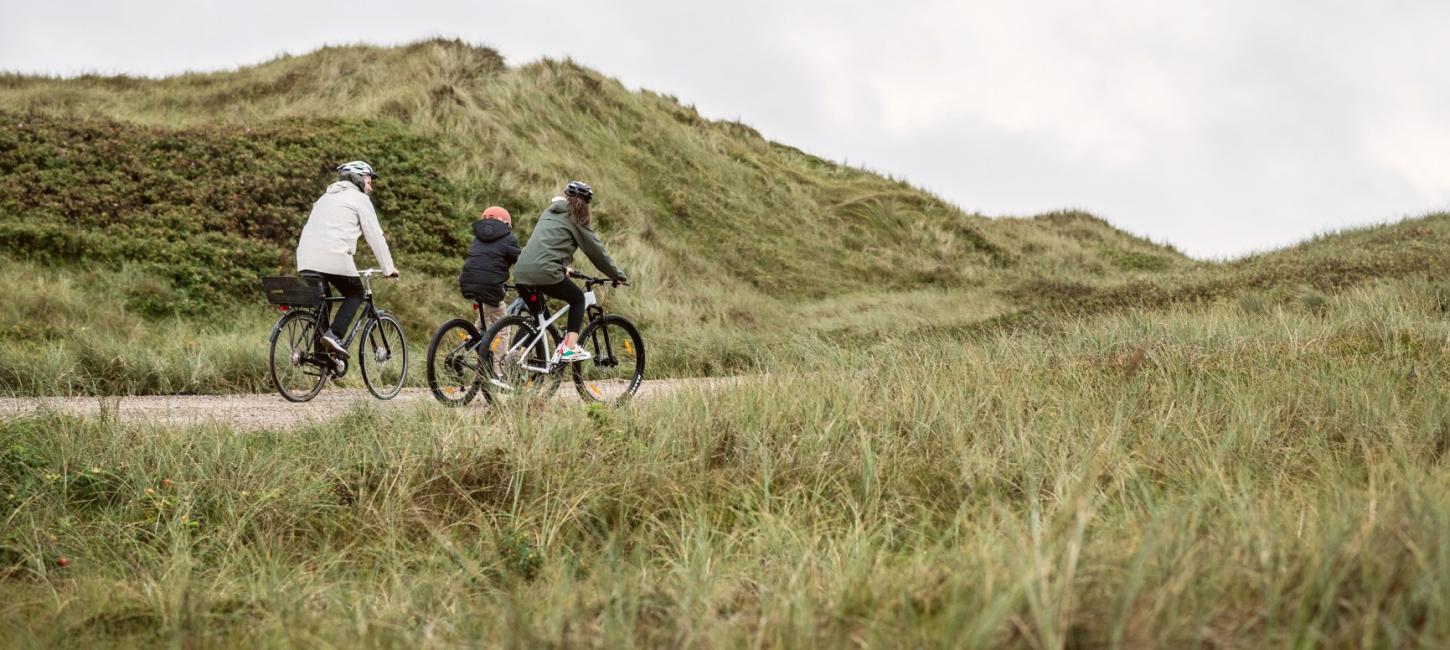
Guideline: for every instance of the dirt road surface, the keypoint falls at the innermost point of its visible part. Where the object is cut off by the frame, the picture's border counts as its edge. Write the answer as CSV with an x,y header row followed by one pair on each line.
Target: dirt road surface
x,y
263,411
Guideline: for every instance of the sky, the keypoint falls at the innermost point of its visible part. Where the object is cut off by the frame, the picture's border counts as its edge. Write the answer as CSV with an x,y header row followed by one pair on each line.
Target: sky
x,y
1223,127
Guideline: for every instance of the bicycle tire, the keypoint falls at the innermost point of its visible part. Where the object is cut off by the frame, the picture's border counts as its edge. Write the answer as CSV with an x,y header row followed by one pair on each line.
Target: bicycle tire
x,y
384,348
609,384
444,388
298,332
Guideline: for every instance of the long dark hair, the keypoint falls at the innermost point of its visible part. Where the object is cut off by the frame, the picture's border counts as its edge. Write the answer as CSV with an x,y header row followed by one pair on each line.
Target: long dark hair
x,y
579,210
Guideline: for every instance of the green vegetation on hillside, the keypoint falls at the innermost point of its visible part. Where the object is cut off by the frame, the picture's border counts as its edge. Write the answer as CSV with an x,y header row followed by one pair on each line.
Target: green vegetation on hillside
x,y
744,250
703,201
1261,472
208,210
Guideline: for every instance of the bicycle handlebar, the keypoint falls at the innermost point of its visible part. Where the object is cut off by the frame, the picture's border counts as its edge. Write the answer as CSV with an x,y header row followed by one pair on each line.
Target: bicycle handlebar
x,y
367,273
589,281
592,281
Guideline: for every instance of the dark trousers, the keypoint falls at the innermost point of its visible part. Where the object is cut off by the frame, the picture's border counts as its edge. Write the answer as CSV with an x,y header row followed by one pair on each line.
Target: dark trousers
x,y
572,294
351,288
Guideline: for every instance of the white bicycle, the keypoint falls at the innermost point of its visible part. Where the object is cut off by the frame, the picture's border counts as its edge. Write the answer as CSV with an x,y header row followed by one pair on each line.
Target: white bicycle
x,y
515,357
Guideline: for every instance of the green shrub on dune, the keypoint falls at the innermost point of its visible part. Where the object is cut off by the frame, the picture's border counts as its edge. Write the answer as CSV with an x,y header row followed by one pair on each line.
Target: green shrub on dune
x,y
207,209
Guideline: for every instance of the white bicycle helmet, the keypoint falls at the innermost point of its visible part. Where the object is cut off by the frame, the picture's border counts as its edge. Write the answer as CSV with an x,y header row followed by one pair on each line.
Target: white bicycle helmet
x,y
357,167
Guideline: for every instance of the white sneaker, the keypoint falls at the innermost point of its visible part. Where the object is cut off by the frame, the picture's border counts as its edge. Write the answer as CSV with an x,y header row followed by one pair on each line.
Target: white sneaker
x,y
571,355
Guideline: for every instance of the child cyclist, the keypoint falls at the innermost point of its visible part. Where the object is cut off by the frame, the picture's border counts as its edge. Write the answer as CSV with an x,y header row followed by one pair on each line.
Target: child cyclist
x,y
492,253
562,229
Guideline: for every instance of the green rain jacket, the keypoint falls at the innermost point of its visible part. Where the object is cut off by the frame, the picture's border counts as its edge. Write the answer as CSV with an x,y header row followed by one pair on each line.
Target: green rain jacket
x,y
551,247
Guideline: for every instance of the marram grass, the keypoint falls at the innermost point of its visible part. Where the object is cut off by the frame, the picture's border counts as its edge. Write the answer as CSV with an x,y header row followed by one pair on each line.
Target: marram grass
x,y
1241,475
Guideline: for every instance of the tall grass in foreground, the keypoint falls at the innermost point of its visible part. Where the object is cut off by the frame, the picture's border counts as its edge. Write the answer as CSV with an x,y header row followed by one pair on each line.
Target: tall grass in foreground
x,y
1260,473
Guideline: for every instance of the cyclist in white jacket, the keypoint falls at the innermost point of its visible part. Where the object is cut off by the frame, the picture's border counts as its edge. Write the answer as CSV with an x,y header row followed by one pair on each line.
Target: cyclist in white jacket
x,y
330,238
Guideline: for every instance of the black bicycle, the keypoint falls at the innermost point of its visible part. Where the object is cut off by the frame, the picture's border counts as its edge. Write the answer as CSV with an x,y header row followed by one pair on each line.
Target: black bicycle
x,y
516,356
299,363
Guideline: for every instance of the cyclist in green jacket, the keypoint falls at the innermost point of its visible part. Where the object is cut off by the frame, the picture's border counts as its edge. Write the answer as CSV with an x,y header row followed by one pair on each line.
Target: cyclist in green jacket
x,y
543,264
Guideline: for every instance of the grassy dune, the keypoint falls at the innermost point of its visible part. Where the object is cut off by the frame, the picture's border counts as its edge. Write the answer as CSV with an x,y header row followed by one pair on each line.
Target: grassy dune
x,y
195,185
1255,472
965,432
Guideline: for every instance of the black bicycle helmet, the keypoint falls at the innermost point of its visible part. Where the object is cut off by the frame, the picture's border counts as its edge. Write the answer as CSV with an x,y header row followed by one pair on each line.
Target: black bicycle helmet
x,y
579,189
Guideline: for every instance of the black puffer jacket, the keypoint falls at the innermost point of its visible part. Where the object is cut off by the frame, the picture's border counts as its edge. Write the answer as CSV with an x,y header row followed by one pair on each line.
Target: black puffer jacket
x,y
492,253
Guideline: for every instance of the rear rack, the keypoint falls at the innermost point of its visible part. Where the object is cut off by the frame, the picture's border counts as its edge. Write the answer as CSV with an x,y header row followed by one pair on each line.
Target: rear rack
x,y
292,291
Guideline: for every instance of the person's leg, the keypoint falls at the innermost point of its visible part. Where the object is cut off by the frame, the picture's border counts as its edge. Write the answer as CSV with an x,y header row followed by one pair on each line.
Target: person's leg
x,y
570,293
490,313
351,288
321,282
490,304
324,311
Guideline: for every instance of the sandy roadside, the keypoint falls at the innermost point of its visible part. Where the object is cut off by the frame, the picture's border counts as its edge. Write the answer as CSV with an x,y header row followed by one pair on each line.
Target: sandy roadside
x,y
269,410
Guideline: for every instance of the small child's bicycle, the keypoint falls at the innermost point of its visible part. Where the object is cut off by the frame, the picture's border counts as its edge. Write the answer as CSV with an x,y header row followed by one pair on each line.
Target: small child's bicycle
x,y
515,357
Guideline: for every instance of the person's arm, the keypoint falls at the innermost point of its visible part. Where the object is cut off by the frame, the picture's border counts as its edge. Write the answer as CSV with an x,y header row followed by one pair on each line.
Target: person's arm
x,y
373,232
512,249
593,248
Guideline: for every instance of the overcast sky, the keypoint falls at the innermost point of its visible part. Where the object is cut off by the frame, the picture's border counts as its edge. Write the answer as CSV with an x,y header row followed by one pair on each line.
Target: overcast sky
x,y
1222,127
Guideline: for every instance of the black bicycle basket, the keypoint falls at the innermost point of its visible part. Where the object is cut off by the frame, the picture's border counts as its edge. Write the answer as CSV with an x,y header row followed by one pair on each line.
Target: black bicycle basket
x,y
292,290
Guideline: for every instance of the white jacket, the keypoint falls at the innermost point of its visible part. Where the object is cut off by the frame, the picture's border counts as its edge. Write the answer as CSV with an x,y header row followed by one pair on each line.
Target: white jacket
x,y
330,237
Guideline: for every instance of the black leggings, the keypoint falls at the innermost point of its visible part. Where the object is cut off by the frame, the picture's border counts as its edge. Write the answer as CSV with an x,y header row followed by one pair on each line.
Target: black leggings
x,y
572,294
351,287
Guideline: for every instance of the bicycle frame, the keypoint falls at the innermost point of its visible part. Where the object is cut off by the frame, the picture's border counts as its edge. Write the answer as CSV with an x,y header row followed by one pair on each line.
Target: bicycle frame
x,y
591,308
539,340
370,314
515,360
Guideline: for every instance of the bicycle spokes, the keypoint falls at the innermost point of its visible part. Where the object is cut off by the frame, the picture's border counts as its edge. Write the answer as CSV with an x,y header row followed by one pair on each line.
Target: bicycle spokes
x,y
295,372
617,364
383,357
454,368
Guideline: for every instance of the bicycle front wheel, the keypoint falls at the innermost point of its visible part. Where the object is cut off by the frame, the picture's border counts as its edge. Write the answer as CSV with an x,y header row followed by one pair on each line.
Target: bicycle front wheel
x,y
455,370
383,357
296,367
615,368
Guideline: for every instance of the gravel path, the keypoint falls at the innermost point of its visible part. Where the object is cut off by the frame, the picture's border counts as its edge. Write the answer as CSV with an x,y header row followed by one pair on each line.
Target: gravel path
x,y
259,411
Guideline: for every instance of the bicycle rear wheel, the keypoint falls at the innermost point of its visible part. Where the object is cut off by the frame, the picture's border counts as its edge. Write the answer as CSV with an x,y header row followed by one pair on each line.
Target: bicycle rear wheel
x,y
296,370
455,369
383,357
615,368
516,361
